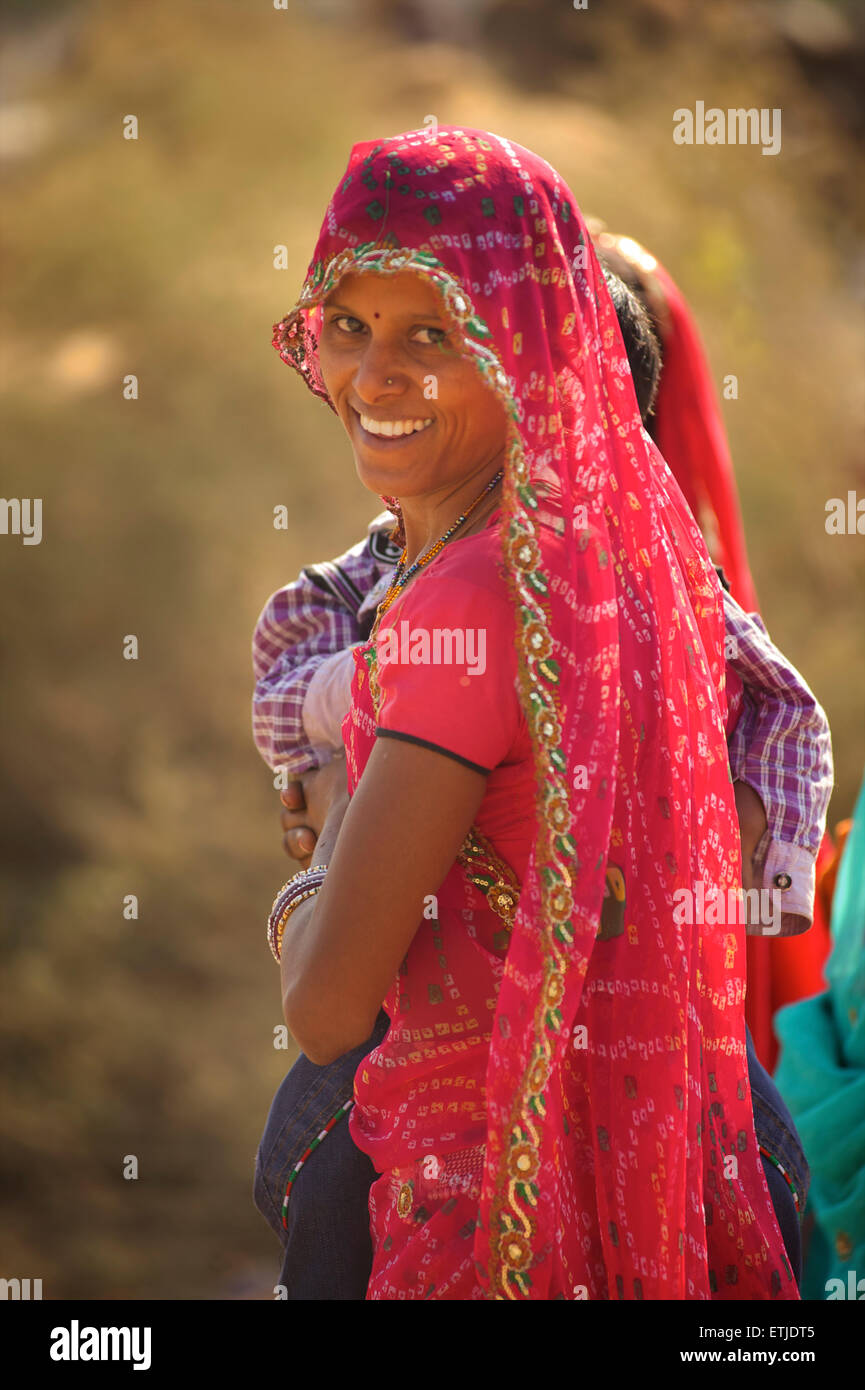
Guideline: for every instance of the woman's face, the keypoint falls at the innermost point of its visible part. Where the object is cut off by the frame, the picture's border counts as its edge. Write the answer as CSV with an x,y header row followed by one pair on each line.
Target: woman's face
x,y
418,415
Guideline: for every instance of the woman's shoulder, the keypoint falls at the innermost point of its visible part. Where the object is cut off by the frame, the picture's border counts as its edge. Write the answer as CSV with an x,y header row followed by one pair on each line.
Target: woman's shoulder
x,y
470,563
480,562
446,658
463,589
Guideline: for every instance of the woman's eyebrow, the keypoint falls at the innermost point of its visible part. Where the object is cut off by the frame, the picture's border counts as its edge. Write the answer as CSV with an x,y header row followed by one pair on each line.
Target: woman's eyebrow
x,y
412,314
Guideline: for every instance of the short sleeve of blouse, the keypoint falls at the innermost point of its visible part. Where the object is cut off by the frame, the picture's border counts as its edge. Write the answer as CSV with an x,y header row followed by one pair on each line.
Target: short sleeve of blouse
x,y
447,668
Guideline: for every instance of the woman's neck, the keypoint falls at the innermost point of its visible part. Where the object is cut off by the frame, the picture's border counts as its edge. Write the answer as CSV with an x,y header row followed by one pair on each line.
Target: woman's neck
x,y
425,522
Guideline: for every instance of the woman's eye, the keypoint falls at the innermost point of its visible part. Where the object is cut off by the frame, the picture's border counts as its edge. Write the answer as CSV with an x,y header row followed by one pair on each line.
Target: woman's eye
x,y
434,336
347,324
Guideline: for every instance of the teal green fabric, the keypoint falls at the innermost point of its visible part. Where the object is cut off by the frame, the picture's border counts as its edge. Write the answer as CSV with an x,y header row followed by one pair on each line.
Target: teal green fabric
x,y
821,1075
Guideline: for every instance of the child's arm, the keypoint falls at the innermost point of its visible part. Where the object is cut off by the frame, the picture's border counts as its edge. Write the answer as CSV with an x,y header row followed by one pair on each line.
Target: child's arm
x,y
782,749
300,657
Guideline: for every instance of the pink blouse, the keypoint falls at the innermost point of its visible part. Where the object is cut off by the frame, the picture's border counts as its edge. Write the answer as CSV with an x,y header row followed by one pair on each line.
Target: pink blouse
x,y
446,673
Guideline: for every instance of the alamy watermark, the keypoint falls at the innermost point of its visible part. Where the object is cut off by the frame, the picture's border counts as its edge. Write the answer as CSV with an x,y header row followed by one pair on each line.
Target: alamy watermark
x,y
853,1289
845,519
77,1343
438,646
20,1290
735,126
713,907
22,516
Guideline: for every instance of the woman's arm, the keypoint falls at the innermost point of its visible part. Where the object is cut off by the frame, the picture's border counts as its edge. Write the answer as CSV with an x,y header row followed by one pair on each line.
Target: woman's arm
x,y
388,849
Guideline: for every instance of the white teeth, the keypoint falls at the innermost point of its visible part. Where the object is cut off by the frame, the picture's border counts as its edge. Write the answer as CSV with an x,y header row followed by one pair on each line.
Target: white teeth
x,y
393,429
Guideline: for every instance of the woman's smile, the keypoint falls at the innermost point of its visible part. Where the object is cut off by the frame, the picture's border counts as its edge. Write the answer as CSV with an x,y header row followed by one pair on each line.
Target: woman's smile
x,y
387,433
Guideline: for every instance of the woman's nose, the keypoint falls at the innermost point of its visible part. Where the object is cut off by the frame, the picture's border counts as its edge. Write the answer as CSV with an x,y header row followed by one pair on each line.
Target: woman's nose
x,y
378,374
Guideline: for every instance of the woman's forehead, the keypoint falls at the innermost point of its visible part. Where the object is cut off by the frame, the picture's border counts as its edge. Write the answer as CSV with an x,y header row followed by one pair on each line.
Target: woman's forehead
x,y
404,290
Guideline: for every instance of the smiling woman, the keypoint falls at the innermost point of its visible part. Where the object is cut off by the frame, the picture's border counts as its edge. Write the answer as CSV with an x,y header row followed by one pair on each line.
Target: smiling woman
x,y
537,1075
421,421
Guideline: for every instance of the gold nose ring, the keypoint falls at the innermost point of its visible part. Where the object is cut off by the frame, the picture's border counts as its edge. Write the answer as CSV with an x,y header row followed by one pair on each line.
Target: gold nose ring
x,y
390,381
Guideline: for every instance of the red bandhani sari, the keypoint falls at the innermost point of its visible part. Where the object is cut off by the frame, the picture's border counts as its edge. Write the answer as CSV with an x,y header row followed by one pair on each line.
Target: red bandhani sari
x,y
691,436
690,433
602,1144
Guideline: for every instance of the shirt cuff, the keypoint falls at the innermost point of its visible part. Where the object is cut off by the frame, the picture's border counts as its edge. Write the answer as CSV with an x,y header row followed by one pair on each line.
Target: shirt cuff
x,y
789,876
326,703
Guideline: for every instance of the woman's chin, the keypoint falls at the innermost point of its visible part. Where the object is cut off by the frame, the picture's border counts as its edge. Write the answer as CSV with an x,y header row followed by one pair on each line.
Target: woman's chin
x,y
392,481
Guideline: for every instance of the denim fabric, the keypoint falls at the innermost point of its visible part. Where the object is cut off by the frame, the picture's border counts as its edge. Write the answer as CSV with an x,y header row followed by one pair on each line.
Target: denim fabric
x,y
327,1251
777,1133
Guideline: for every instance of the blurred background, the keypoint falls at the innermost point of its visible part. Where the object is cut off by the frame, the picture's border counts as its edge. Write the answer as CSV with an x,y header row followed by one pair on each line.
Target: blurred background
x,y
154,1037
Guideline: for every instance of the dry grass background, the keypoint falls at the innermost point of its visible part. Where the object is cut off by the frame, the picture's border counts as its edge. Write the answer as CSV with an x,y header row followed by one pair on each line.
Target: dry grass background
x,y
154,1037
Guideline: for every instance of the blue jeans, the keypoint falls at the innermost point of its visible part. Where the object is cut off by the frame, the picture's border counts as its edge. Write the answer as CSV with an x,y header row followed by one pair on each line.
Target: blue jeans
x,y
327,1249
776,1131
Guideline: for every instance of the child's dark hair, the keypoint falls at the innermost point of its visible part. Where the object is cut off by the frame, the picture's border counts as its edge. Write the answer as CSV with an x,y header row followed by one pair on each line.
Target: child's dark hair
x,y
640,339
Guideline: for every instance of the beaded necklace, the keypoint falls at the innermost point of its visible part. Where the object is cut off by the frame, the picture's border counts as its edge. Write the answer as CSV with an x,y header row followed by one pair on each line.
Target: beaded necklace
x,y
403,575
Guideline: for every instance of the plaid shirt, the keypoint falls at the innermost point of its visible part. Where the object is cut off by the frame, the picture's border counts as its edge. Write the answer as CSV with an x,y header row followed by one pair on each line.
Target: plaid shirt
x,y
327,609
780,746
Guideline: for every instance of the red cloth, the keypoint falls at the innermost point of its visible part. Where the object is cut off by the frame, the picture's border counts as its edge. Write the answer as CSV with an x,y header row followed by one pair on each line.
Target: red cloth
x,y
691,436
690,432
619,1157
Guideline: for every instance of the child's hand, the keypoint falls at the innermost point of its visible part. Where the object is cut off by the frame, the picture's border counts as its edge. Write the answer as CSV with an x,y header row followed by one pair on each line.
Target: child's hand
x,y
326,792
307,806
752,828
299,837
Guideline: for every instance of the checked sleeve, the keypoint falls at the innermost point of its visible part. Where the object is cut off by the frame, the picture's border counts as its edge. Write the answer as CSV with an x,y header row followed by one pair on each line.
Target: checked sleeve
x,y
301,627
